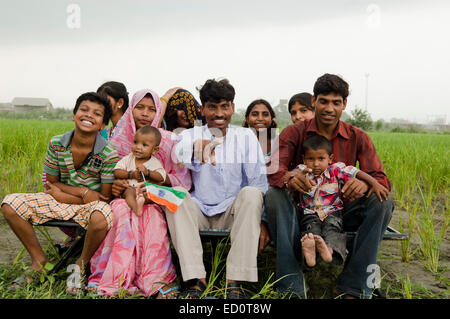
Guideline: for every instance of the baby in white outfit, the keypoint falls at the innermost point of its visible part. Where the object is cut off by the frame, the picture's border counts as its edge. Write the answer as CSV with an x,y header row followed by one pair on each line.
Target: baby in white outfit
x,y
141,162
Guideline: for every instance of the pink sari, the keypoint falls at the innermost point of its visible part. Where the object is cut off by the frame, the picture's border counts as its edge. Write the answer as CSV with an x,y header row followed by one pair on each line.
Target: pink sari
x,y
135,255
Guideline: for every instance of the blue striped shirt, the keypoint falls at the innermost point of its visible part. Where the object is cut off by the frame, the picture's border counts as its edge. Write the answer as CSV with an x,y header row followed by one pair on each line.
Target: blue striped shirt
x,y
239,163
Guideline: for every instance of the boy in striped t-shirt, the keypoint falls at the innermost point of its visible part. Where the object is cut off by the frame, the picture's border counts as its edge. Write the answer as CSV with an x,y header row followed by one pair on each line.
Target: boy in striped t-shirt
x,y
79,167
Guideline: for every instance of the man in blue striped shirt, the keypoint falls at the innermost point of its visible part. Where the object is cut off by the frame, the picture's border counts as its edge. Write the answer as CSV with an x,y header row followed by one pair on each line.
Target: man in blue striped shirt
x,y
229,181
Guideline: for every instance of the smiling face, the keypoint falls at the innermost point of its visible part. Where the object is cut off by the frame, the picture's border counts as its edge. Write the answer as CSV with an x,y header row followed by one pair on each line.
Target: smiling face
x,y
317,160
144,112
218,114
144,145
89,116
182,120
259,117
300,112
329,109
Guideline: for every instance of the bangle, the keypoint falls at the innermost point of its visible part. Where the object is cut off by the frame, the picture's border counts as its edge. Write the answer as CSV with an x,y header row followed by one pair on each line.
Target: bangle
x,y
162,98
84,193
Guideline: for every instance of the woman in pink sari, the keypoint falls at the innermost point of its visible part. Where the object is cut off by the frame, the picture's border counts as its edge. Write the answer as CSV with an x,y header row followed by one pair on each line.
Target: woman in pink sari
x,y
135,255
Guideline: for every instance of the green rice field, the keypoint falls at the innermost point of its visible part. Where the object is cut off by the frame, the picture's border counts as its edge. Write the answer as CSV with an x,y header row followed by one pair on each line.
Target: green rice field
x,y
417,165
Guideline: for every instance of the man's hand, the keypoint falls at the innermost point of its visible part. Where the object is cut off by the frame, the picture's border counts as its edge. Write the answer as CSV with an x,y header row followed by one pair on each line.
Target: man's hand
x,y
379,190
354,188
264,237
118,186
298,181
204,150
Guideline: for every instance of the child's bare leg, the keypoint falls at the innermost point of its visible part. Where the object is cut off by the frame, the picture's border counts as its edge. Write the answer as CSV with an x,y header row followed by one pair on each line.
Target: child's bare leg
x,y
96,232
25,232
130,198
309,249
325,251
140,200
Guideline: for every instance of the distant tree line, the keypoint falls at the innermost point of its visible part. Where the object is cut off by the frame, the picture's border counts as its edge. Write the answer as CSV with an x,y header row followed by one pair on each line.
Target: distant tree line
x,y
57,114
362,119
358,117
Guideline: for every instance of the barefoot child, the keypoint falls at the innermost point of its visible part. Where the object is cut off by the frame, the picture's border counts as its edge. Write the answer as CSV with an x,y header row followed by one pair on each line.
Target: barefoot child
x,y
321,224
140,161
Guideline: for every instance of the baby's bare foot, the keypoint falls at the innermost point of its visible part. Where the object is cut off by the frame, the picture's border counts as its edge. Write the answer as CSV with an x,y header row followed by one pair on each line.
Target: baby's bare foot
x,y
309,249
140,199
325,251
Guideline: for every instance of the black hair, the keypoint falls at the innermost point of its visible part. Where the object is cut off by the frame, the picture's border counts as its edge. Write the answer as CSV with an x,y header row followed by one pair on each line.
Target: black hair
x,y
302,98
331,83
148,129
150,96
269,107
172,120
317,142
216,91
97,98
117,91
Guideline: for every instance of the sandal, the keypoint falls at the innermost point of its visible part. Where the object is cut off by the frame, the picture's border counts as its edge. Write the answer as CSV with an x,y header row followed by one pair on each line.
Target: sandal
x,y
342,295
170,293
76,284
92,290
194,293
28,277
22,281
378,294
236,291
76,291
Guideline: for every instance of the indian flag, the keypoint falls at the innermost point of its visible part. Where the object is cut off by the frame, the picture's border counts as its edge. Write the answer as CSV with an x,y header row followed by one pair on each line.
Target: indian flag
x,y
166,196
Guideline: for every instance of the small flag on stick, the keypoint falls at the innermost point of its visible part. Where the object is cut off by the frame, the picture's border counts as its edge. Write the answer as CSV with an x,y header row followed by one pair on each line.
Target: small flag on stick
x,y
164,195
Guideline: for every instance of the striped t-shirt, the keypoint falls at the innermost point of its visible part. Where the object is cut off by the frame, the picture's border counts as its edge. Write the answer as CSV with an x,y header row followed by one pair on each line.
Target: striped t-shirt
x,y
98,167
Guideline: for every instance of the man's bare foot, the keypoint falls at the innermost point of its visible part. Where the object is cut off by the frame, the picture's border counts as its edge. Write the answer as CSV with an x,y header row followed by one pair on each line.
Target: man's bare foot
x,y
325,251
140,200
309,249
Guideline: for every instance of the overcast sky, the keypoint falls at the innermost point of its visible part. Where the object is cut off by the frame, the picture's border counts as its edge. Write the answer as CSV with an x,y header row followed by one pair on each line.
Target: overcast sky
x,y
267,49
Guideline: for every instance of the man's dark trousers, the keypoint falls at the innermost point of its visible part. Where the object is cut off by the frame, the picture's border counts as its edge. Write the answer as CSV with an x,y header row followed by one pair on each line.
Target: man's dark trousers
x,y
368,216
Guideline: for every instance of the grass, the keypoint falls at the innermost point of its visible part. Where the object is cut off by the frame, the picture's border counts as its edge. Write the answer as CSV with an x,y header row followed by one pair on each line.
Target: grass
x,y
416,164
22,149
407,288
418,167
404,288
406,249
431,238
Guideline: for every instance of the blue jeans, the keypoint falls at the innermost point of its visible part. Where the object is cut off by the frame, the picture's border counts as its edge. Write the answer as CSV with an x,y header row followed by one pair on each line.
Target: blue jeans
x,y
368,216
